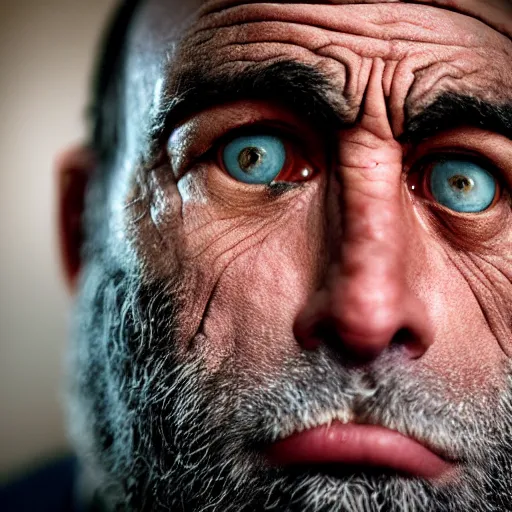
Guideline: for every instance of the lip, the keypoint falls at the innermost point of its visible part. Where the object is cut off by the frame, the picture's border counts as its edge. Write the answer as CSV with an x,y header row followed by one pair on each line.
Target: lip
x,y
352,444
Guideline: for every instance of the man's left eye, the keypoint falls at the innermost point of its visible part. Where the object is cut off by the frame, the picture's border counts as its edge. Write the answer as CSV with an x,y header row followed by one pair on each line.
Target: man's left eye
x,y
462,185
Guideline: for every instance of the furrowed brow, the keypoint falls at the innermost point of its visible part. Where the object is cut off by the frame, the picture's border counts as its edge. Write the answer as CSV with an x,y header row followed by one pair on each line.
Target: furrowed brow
x,y
451,111
306,92
299,87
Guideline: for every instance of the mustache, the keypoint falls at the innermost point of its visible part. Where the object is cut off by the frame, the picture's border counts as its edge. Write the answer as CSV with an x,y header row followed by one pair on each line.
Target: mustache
x,y
315,389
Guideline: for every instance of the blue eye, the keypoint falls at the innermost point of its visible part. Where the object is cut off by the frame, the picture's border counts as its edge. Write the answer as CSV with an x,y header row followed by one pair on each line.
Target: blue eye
x,y
255,159
462,186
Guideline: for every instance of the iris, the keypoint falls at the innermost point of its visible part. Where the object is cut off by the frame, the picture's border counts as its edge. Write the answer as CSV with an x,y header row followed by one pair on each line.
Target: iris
x,y
462,185
255,159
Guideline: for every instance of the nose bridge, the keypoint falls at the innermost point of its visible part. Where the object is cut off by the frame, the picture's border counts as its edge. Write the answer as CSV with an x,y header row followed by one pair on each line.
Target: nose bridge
x,y
372,242
365,302
370,203
370,254
369,170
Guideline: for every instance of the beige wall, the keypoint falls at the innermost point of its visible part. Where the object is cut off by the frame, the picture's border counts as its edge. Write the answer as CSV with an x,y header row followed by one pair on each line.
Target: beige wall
x,y
46,51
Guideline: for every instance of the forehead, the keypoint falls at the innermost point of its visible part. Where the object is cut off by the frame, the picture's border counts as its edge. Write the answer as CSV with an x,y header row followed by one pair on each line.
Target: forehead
x,y
171,14
163,27
161,24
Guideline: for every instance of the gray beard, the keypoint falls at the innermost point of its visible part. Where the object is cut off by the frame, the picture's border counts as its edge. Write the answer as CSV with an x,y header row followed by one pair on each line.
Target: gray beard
x,y
156,434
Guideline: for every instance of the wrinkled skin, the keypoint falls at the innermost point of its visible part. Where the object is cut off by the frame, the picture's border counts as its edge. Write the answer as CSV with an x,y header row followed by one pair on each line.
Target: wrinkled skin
x,y
216,317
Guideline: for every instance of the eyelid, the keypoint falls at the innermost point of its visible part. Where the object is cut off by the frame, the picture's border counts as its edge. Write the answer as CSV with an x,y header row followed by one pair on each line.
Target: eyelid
x,y
190,141
446,154
491,150
274,128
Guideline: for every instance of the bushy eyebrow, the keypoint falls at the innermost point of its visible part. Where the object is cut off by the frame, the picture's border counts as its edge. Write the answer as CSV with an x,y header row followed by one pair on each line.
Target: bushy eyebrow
x,y
299,87
305,91
450,110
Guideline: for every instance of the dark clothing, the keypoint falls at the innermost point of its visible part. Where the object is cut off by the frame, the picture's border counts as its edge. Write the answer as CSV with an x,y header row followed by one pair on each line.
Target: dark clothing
x,y
48,489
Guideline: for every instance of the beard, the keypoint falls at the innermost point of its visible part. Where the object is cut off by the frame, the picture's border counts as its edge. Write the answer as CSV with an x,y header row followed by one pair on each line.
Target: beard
x,y
156,431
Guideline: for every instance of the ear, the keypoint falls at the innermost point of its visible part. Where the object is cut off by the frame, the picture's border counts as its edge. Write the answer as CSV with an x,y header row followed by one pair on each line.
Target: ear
x,y
74,169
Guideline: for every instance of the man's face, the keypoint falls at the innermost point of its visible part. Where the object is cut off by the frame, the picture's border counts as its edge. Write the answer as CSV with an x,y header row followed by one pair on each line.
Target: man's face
x,y
304,298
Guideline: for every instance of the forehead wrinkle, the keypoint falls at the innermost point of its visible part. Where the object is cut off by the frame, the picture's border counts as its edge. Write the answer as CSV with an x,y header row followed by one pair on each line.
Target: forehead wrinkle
x,y
328,30
473,8
183,18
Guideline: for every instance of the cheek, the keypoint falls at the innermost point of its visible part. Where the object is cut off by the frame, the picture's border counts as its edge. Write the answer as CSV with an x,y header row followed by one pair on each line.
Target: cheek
x,y
259,291
250,317
466,353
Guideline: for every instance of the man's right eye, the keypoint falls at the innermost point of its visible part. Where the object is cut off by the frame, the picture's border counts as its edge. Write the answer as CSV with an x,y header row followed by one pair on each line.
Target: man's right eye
x,y
262,159
256,159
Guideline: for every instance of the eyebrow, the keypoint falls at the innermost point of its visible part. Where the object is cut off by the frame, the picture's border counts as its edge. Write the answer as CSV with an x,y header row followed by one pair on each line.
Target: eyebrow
x,y
308,93
291,84
452,110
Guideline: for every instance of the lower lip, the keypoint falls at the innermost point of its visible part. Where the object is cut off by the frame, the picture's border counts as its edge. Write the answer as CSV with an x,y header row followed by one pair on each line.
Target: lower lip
x,y
359,445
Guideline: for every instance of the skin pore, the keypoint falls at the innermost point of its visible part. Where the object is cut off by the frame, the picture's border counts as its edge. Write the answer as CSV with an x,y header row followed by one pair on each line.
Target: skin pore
x,y
217,317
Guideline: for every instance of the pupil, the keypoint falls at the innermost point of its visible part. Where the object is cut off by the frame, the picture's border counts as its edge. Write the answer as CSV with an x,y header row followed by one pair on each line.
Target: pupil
x,y
461,183
250,158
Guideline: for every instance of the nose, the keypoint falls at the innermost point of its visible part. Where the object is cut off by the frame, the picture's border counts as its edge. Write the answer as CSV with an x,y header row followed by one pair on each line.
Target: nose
x,y
368,300
365,305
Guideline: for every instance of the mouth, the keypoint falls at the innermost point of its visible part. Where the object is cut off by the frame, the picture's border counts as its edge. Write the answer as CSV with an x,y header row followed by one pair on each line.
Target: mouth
x,y
349,448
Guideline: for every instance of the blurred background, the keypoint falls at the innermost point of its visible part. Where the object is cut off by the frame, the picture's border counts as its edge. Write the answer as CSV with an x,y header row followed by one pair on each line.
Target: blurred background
x,y
47,49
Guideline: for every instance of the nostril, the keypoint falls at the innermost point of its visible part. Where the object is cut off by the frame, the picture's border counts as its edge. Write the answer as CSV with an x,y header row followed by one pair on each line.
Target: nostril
x,y
323,332
314,335
402,337
410,341
360,330
328,332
